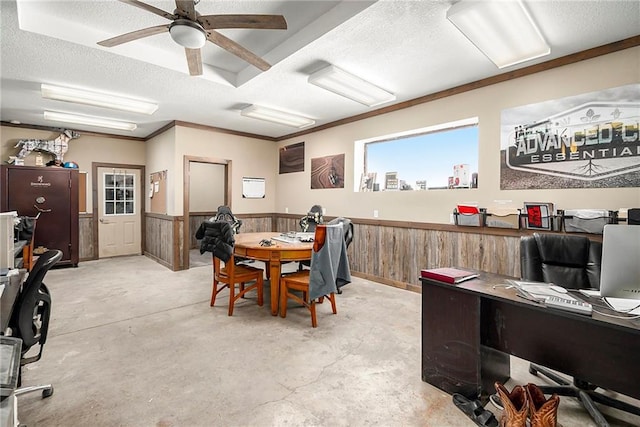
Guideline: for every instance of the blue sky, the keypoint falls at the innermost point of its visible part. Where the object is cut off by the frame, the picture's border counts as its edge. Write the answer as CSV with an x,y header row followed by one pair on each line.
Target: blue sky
x,y
430,156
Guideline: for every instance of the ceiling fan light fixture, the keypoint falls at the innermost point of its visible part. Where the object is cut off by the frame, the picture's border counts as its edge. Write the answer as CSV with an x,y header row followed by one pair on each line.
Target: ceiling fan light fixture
x,y
188,34
88,120
339,81
276,116
502,30
81,96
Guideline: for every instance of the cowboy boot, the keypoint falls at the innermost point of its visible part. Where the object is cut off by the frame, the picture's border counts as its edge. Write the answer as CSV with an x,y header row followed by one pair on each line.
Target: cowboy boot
x,y
542,412
515,406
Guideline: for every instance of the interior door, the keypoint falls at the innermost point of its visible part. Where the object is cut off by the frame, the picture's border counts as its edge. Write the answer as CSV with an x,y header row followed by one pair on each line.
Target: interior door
x,y
119,213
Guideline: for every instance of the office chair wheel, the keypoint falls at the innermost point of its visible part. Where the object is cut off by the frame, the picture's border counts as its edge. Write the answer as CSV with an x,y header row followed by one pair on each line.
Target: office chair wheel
x,y
47,392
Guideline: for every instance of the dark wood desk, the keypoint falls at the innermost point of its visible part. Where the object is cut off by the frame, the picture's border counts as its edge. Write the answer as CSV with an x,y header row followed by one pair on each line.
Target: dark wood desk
x,y
469,331
248,246
12,286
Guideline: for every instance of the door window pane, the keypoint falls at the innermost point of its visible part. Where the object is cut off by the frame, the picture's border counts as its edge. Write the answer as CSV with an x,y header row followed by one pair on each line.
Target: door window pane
x,y
119,193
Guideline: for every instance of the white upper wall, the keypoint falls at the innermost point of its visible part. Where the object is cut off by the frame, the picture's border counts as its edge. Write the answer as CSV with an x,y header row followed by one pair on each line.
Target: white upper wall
x,y
616,69
160,152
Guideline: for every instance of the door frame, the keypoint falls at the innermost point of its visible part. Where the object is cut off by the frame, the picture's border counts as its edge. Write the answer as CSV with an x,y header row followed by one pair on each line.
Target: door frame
x,y
94,202
186,182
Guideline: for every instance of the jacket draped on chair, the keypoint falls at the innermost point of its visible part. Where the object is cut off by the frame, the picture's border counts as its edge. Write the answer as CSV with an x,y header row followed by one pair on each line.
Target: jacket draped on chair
x,y
217,239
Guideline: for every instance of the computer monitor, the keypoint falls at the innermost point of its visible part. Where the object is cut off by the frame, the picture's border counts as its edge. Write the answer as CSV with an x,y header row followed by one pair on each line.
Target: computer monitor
x,y
620,270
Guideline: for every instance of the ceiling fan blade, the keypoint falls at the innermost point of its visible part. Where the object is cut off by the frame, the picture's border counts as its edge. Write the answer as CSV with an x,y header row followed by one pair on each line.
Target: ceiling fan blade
x,y
150,8
266,22
187,7
194,60
134,35
239,51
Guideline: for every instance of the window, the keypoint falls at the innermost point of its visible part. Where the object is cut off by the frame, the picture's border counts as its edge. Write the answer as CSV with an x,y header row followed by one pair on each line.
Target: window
x,y
442,156
119,194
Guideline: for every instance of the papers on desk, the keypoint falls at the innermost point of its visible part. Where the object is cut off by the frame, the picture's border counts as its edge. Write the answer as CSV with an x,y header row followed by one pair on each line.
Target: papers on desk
x,y
539,291
623,305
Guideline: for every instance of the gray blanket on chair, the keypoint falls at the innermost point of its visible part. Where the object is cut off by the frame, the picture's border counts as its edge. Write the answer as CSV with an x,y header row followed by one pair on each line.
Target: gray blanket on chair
x,y
329,266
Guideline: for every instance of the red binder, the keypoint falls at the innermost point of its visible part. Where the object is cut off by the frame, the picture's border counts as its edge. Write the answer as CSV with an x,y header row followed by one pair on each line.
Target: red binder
x,y
448,275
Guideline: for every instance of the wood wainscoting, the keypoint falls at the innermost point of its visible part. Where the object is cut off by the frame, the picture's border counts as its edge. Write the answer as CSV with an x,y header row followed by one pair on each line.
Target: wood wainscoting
x,y
389,252
86,245
394,252
163,239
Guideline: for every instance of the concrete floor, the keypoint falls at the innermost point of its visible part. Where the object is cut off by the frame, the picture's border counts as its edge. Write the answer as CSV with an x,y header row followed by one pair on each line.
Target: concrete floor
x,y
134,344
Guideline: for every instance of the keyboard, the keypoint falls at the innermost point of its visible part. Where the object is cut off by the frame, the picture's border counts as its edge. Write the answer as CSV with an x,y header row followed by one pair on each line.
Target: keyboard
x,y
572,305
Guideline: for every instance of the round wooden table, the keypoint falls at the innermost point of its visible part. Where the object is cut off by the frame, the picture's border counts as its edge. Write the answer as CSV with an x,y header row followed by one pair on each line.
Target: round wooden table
x,y
248,246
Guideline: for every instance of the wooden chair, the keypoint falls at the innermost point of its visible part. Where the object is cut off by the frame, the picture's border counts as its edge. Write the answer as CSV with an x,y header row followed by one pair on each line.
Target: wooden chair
x,y
28,260
329,271
231,274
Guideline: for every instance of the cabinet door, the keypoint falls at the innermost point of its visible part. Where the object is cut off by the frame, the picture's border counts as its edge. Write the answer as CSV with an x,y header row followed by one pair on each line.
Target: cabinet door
x,y
48,192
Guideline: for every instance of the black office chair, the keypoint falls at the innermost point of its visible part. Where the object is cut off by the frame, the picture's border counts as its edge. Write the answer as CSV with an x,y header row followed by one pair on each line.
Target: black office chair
x,y
224,214
311,219
347,226
30,318
572,262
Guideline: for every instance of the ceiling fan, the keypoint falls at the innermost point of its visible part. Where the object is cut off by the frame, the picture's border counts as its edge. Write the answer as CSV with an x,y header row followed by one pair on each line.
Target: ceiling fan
x,y
191,30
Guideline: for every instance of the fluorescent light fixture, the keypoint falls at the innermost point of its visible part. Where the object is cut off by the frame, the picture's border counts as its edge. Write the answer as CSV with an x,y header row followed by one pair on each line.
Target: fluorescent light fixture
x,y
502,30
276,116
88,120
339,81
97,99
187,33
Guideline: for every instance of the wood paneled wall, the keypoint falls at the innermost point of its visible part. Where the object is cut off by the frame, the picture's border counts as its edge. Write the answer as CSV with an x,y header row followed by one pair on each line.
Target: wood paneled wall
x,y
395,255
163,240
389,252
86,245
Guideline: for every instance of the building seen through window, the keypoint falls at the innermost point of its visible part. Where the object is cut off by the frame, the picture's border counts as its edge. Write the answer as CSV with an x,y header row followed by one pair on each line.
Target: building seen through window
x,y
437,157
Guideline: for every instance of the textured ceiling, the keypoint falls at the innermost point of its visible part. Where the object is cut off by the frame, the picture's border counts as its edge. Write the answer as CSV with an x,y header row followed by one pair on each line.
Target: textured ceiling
x,y
406,47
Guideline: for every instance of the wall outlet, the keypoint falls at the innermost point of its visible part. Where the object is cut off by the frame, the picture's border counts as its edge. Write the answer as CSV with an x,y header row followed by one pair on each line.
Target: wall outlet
x,y
286,210
375,213
324,211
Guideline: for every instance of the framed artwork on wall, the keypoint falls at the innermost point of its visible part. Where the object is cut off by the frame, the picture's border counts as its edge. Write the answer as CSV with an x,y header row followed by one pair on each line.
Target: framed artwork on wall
x,y
292,158
327,172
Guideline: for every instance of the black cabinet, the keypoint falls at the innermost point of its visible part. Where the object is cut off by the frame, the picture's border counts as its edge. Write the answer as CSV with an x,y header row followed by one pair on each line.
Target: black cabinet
x,y
53,193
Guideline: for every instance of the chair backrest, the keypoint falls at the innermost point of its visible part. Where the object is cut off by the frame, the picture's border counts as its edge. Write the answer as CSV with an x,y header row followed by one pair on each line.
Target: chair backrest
x,y
311,219
347,227
569,261
221,243
329,264
30,319
224,214
27,251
